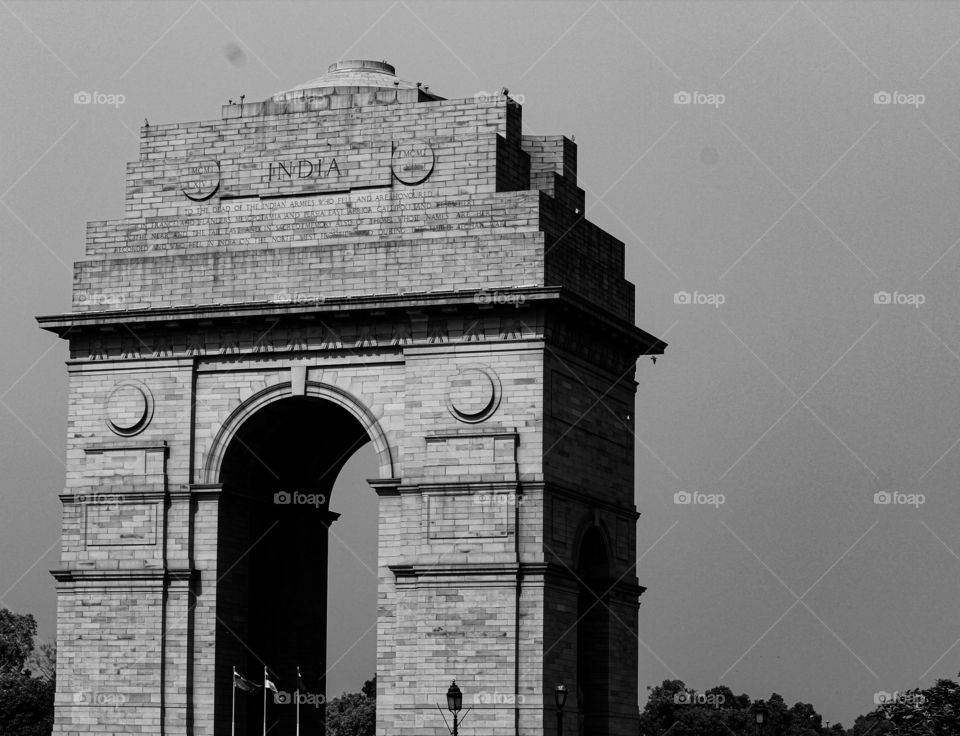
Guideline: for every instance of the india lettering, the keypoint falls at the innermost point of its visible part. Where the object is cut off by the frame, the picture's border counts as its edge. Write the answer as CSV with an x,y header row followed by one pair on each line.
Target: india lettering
x,y
320,168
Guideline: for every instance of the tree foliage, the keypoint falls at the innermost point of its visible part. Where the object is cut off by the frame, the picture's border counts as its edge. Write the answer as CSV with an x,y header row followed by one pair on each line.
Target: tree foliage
x,y
934,711
16,639
26,705
42,661
354,714
26,702
674,708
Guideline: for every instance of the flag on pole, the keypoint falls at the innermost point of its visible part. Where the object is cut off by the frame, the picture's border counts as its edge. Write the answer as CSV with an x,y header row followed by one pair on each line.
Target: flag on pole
x,y
267,685
300,685
241,682
267,682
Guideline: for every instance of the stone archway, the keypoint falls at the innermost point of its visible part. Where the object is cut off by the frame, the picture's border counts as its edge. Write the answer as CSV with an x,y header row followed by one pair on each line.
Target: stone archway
x,y
277,473
335,395
437,289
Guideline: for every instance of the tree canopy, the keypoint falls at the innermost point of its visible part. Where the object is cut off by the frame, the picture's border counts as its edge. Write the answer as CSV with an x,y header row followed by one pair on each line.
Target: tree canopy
x,y
26,702
673,707
354,714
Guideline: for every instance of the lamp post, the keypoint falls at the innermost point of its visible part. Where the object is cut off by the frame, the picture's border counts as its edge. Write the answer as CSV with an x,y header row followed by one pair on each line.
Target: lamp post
x,y
560,696
759,714
454,703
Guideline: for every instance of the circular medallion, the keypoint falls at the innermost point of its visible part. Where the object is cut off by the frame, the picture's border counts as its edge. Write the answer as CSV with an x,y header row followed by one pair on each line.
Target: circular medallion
x,y
129,408
200,179
412,161
474,393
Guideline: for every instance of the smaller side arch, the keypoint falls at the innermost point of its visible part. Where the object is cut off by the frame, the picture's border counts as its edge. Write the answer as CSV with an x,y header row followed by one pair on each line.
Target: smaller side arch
x,y
592,521
314,389
595,645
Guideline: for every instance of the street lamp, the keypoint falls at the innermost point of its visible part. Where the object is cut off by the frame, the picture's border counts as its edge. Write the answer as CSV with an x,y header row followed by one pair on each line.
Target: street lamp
x,y
560,696
454,703
759,714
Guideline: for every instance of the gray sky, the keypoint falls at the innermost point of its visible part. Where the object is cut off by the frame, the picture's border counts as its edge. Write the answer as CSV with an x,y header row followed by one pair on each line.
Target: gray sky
x,y
794,200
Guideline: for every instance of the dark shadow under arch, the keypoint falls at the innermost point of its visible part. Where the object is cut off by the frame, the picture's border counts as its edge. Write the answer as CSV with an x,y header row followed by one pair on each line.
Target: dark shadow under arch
x,y
278,472
213,456
593,634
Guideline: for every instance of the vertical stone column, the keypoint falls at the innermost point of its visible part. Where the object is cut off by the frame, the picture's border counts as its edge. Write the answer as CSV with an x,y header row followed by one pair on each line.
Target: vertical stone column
x,y
624,603
179,594
207,660
390,550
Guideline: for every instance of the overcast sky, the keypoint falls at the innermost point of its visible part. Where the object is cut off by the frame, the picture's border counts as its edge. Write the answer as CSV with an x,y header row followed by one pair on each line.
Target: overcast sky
x,y
783,199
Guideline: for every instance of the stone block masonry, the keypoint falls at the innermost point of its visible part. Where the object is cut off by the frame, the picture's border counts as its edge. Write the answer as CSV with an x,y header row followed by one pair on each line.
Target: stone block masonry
x,y
356,259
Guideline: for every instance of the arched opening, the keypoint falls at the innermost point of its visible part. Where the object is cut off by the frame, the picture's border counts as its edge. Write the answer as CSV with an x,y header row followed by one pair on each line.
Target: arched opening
x,y
278,474
593,635
352,579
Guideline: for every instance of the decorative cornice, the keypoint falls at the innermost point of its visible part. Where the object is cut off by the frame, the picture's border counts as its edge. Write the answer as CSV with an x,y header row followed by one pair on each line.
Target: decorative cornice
x,y
101,447
182,576
144,576
459,487
558,490
206,490
472,432
61,323
621,330
385,486
469,571
562,572
457,569
113,495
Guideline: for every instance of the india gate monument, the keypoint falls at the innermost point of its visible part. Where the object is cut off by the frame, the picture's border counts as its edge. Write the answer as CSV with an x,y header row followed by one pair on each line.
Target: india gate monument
x,y
356,259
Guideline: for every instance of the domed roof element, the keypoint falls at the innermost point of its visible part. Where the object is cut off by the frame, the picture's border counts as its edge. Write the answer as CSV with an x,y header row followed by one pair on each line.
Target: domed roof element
x,y
358,74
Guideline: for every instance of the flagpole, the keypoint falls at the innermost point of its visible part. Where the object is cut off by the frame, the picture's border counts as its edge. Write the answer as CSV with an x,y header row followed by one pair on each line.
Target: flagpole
x,y
264,700
298,700
233,706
